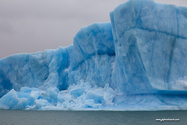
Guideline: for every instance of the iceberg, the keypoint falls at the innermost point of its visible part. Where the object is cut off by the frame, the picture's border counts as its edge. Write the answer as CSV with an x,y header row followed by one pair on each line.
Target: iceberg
x,y
135,62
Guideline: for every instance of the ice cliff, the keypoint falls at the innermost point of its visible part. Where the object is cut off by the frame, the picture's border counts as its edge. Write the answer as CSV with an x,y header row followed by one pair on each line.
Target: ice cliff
x,y
138,61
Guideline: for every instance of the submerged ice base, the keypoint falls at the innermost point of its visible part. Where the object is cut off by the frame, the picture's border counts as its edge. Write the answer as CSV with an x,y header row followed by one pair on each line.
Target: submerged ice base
x,y
135,62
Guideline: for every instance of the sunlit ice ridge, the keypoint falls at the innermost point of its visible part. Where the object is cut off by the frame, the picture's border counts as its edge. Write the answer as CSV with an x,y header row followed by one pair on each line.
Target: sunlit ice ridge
x,y
138,61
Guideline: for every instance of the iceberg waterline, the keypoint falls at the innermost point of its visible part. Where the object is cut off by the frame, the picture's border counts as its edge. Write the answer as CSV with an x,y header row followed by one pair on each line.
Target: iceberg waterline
x,y
135,62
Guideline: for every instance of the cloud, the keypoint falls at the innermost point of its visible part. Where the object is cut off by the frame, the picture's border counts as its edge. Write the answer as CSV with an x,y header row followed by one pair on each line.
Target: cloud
x,y
35,25
55,8
6,28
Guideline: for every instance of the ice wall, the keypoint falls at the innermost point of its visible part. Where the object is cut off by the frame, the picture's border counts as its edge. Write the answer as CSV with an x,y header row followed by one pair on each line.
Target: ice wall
x,y
136,61
41,69
94,55
150,40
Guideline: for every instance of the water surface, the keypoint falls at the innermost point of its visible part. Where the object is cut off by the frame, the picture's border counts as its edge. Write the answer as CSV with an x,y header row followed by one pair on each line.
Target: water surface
x,y
25,117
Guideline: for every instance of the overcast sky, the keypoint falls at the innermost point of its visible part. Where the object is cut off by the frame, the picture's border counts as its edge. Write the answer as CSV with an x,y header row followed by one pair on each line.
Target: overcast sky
x,y
35,25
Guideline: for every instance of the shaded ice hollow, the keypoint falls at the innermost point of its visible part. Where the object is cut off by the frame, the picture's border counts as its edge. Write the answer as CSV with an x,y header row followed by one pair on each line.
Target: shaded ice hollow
x,y
138,61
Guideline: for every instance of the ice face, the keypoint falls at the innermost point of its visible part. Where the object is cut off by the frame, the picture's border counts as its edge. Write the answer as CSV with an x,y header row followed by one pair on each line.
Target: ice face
x,y
148,40
135,62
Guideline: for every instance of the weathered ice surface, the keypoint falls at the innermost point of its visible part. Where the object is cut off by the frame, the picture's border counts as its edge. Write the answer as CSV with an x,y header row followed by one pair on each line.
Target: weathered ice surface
x,y
138,61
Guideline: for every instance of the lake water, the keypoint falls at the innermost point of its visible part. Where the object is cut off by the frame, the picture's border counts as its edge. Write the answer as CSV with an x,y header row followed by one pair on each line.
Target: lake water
x,y
25,117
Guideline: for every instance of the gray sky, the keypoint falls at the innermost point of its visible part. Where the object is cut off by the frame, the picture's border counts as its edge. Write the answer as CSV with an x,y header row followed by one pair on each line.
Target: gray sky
x,y
35,25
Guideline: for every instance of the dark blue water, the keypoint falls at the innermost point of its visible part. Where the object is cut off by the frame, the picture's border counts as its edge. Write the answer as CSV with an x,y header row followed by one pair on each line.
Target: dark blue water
x,y
23,117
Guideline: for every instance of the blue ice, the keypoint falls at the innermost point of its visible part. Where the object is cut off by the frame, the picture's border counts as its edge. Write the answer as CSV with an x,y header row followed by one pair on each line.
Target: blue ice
x,y
135,62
